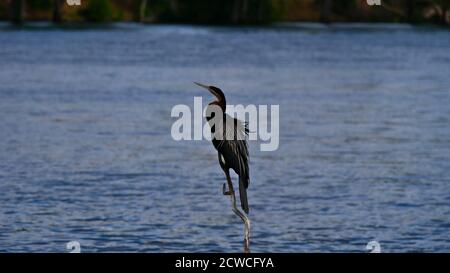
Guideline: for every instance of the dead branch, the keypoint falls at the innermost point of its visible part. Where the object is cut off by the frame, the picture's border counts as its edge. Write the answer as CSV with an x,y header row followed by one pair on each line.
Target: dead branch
x,y
239,213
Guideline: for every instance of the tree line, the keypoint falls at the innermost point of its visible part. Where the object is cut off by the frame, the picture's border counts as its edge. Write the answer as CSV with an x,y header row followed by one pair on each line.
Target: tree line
x,y
237,12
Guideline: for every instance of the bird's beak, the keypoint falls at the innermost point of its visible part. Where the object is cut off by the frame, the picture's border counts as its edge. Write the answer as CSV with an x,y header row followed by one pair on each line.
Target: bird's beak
x,y
206,87
202,85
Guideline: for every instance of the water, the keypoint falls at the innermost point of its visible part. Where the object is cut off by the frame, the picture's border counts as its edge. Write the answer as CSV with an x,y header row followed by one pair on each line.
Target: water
x,y
86,152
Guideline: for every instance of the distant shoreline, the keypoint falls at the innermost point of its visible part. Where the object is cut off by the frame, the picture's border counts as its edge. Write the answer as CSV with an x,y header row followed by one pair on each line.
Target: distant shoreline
x,y
307,25
226,13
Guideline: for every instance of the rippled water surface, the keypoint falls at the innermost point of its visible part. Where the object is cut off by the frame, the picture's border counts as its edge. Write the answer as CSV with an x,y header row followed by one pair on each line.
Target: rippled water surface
x,y
86,152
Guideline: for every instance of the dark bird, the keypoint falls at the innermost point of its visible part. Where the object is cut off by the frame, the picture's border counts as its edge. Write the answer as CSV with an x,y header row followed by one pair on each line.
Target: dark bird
x,y
229,138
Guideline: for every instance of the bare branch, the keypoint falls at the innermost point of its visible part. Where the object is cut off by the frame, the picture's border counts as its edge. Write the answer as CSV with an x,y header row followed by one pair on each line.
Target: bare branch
x,y
239,213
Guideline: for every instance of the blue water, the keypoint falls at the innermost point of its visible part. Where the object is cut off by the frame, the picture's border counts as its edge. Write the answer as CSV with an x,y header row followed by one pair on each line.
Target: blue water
x,y
86,152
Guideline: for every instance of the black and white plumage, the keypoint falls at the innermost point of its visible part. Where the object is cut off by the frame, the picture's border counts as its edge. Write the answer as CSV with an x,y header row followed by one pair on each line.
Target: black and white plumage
x,y
229,138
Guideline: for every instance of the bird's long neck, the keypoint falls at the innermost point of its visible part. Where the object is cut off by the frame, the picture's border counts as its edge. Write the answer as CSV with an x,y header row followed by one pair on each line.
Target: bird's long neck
x,y
209,109
221,103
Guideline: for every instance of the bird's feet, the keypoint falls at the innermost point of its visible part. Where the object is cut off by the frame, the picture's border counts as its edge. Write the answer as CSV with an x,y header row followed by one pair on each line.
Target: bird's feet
x,y
224,190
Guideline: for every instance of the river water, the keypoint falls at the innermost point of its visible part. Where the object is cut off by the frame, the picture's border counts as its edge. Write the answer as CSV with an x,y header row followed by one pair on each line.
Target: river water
x,y
86,152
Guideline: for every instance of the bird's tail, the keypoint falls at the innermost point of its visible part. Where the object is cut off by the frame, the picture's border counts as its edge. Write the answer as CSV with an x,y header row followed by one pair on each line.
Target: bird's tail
x,y
243,193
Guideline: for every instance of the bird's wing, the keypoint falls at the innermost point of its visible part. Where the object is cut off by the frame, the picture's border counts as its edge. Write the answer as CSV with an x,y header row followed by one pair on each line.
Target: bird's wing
x,y
234,147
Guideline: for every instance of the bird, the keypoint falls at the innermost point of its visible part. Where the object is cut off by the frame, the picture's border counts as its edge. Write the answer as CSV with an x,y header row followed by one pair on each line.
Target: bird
x,y
229,138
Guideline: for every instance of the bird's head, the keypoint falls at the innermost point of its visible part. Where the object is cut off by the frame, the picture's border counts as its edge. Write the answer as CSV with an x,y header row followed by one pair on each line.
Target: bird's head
x,y
220,96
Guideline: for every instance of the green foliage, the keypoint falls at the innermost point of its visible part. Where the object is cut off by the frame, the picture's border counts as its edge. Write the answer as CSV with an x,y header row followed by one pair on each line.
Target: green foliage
x,y
98,11
203,11
215,12
159,9
3,10
118,15
238,12
39,4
